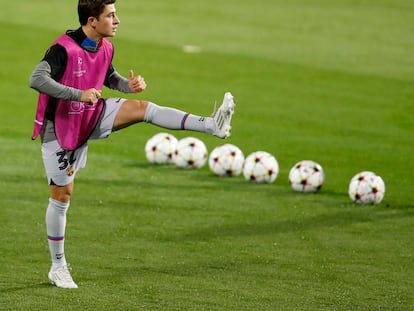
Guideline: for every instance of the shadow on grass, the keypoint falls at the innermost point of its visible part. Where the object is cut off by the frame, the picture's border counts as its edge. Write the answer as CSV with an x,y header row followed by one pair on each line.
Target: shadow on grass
x,y
337,220
26,287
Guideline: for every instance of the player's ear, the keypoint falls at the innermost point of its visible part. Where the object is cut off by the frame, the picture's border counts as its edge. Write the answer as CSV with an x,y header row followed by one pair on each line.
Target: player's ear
x,y
92,21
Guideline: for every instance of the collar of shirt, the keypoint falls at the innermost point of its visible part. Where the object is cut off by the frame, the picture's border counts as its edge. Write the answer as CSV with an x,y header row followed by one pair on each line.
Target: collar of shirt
x,y
87,43
90,44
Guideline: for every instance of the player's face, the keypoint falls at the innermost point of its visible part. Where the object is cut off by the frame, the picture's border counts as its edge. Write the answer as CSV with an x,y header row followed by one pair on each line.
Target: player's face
x,y
108,22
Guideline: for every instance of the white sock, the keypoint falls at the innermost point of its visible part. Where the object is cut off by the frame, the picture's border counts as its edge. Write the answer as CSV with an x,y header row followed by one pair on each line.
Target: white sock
x,y
175,119
55,226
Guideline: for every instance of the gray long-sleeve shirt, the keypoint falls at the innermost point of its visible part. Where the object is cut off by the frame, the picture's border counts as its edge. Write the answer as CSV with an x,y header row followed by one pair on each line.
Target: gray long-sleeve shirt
x,y
42,81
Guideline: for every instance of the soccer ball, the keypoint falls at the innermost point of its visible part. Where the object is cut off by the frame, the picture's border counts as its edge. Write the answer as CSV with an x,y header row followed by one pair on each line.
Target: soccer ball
x,y
160,148
191,152
306,176
261,167
226,160
366,188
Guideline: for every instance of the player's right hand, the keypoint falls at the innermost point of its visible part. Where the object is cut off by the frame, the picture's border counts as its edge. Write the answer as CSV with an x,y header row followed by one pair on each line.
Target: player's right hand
x,y
91,96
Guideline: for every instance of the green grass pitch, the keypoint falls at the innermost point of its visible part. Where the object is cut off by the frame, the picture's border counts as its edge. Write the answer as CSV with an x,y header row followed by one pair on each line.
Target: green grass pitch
x,y
327,80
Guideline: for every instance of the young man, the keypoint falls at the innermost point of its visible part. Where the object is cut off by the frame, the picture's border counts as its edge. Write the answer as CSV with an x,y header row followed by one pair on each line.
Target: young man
x,y
71,111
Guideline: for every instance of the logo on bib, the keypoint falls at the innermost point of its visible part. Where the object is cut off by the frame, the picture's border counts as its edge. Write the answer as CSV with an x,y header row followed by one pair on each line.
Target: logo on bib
x,y
80,72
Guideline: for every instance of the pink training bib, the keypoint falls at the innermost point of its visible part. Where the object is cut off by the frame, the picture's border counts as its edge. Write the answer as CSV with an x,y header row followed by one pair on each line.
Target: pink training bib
x,y
75,121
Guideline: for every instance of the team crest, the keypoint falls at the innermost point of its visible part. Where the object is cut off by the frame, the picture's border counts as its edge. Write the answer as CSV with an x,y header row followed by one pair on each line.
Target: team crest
x,y
70,170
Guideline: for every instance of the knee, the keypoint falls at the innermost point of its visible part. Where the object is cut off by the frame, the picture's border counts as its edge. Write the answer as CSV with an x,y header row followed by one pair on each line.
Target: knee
x,y
135,106
61,193
131,111
141,104
139,109
62,197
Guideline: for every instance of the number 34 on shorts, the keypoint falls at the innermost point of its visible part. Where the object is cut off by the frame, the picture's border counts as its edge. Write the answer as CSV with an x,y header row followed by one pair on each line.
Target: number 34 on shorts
x,y
62,165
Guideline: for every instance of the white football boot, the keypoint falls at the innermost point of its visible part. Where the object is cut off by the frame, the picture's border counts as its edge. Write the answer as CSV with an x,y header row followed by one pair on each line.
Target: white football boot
x,y
222,117
61,277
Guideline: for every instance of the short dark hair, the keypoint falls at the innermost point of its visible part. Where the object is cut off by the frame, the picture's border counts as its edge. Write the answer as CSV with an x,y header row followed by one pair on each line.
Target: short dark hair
x,y
91,8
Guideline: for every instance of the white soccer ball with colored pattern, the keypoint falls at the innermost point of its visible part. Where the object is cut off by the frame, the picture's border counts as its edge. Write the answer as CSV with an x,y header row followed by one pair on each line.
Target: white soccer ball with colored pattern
x,y
160,148
226,160
366,188
260,167
306,176
191,153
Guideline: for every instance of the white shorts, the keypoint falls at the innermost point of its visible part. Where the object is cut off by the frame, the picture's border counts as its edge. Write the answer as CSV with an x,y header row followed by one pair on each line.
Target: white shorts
x,y
62,165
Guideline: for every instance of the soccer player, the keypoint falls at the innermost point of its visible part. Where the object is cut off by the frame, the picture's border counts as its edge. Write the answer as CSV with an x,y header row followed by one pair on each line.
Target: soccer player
x,y
70,111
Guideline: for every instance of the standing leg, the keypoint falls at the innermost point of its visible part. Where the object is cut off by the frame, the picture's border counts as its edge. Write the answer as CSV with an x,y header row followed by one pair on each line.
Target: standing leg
x,y
56,226
61,167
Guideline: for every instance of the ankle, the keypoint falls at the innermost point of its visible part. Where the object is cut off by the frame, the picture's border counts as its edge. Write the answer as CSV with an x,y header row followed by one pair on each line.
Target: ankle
x,y
210,125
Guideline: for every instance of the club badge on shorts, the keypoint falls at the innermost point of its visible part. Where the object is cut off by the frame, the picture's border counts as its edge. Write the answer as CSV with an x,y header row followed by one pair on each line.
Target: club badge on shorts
x,y
70,170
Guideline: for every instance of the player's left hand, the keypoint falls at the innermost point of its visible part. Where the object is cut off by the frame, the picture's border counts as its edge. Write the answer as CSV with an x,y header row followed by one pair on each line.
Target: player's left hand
x,y
136,84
